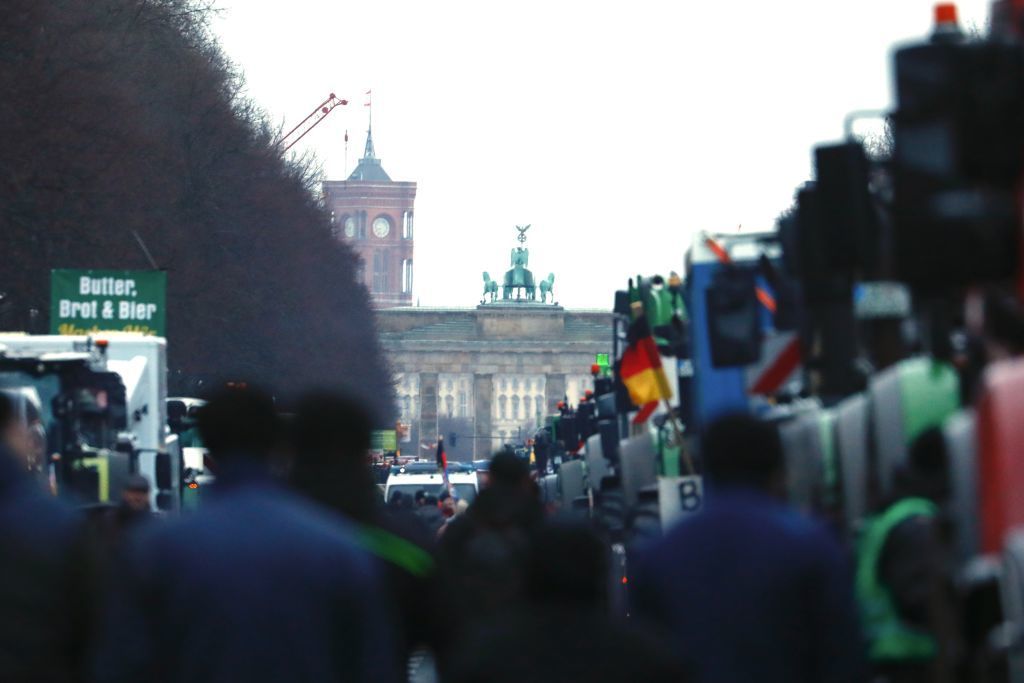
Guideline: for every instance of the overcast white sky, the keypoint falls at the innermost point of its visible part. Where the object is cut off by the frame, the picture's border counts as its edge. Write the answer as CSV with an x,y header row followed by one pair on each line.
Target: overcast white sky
x,y
616,129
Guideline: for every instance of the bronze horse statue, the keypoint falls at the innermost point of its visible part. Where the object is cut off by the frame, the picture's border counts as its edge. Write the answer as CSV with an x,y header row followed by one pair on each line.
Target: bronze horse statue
x,y
490,287
547,288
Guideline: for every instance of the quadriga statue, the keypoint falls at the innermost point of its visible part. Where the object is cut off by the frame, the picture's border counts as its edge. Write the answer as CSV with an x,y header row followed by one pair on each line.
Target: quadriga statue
x,y
519,277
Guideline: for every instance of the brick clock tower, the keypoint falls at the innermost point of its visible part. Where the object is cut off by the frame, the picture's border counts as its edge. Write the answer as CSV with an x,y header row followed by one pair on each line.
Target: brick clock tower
x,y
373,214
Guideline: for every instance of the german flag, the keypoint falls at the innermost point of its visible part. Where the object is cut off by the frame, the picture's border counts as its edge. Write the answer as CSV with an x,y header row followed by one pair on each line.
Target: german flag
x,y
640,369
442,457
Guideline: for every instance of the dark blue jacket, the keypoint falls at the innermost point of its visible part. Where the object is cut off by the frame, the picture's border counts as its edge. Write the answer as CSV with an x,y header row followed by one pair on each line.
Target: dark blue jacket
x,y
44,582
752,592
257,585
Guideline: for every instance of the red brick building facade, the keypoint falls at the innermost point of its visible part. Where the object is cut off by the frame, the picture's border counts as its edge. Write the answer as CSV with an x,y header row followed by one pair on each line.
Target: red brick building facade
x,y
374,214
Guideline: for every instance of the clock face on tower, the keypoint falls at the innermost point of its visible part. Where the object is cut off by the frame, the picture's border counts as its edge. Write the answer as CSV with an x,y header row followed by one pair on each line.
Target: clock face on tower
x,y
381,226
350,227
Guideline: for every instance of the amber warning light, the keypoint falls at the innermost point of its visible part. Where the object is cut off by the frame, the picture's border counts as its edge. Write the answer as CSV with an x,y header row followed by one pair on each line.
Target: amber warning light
x,y
945,13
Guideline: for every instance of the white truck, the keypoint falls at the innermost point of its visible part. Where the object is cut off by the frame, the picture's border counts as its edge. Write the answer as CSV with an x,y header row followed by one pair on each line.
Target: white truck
x,y
99,403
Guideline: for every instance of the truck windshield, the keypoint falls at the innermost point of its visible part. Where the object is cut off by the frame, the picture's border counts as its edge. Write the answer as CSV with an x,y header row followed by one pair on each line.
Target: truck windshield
x,y
32,394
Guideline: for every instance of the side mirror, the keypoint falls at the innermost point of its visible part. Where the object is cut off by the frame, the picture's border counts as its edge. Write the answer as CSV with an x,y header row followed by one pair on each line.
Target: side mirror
x,y
163,471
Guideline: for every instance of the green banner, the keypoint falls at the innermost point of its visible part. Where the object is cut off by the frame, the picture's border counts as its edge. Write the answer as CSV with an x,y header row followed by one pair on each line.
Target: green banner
x,y
384,440
87,301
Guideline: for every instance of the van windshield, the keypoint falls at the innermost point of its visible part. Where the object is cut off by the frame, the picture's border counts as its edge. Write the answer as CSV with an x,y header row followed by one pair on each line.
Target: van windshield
x,y
466,492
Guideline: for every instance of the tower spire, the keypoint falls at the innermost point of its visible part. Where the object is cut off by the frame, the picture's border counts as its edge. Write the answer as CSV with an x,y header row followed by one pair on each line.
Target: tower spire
x,y
369,167
369,153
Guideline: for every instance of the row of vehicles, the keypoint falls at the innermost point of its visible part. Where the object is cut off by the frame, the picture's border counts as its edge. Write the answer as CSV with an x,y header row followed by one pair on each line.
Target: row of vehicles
x,y
98,412
888,304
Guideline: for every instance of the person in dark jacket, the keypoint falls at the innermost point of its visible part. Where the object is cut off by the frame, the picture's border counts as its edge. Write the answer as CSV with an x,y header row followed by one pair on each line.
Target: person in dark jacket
x,y
562,630
107,528
44,574
331,441
483,554
257,585
749,589
429,514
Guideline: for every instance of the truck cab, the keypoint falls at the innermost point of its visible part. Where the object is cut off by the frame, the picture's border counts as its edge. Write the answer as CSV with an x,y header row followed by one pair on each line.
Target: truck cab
x,y
97,406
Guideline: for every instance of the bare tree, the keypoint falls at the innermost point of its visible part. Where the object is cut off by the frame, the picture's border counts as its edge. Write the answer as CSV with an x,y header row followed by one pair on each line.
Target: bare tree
x,y
124,118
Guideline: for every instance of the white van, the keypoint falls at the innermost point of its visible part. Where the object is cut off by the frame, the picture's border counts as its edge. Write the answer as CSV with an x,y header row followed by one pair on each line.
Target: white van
x,y
465,485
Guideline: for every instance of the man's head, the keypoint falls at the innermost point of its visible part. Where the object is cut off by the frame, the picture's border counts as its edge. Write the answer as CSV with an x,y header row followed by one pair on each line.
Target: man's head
x,y
926,472
330,437
330,429
447,504
420,498
239,423
135,494
508,470
740,450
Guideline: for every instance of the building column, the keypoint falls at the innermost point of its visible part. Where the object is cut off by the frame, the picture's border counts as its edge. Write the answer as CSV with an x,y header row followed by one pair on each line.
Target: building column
x,y
554,391
483,397
428,408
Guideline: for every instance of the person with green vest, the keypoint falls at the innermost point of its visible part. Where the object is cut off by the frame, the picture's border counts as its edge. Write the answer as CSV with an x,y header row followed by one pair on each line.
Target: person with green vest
x,y
330,435
900,577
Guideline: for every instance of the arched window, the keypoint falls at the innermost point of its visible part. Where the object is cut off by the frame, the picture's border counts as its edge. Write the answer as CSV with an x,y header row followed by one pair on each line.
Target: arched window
x,y
407,225
528,406
380,270
407,276
449,404
503,407
516,414
463,404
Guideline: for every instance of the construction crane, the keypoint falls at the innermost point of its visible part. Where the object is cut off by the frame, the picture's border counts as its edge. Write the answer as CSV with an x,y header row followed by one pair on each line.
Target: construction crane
x,y
307,124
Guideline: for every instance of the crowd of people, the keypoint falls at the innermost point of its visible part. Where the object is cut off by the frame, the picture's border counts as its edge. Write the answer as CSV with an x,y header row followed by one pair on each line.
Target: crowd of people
x,y
295,569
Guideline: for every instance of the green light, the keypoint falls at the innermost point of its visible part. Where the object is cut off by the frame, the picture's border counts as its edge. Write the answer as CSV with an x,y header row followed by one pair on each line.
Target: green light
x,y
601,359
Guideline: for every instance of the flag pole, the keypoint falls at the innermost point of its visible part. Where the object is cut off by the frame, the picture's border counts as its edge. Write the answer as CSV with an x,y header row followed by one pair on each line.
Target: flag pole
x,y
679,438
